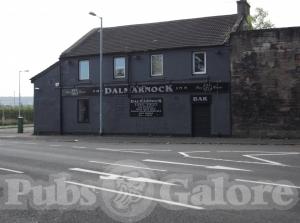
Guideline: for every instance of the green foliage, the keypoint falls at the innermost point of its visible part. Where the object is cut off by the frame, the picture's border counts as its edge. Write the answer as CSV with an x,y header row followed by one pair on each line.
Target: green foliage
x,y
259,20
9,114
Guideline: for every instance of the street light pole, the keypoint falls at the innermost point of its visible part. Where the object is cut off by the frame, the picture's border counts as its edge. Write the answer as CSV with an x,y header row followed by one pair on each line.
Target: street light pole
x,y
20,90
100,72
20,119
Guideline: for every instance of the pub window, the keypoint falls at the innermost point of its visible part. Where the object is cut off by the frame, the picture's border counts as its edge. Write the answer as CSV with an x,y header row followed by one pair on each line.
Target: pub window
x,y
199,63
157,65
119,67
84,70
83,110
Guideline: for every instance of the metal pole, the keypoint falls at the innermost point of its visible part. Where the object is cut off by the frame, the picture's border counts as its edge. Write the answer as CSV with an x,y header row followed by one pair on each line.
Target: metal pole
x,y
100,72
20,119
19,95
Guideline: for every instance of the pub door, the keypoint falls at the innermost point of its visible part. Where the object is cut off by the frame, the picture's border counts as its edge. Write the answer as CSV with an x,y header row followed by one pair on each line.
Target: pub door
x,y
201,120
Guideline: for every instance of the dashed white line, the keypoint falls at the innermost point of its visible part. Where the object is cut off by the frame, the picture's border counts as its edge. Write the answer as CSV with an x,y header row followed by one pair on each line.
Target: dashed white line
x,y
131,166
55,145
151,150
29,143
197,165
136,195
129,151
111,176
10,170
121,151
79,147
267,183
107,149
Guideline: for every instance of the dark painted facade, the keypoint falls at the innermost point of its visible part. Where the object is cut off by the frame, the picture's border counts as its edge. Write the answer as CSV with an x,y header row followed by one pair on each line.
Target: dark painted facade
x,y
177,107
47,101
187,104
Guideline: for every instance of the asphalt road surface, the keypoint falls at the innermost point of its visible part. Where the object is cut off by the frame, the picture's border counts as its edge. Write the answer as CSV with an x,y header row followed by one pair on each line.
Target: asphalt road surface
x,y
80,181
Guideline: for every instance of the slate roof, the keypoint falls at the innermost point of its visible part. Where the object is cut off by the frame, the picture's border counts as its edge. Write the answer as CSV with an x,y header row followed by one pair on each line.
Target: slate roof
x,y
44,72
198,32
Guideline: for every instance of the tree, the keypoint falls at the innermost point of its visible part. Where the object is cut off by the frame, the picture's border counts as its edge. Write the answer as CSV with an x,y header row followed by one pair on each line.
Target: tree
x,y
260,20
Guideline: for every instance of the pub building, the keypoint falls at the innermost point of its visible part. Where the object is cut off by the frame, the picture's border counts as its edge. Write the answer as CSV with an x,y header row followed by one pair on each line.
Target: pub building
x,y
166,78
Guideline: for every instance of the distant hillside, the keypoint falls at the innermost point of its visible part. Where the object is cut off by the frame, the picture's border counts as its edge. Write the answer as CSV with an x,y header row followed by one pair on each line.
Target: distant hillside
x,y
11,101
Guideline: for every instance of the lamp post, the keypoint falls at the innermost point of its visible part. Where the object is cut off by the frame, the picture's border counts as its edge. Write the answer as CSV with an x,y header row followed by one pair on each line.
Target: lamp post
x,y
100,70
20,119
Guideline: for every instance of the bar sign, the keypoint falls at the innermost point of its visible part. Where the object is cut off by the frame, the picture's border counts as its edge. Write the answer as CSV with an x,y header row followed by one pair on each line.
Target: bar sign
x,y
201,99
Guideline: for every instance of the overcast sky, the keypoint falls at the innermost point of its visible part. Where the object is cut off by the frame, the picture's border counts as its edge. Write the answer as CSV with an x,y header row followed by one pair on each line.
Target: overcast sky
x,y
35,32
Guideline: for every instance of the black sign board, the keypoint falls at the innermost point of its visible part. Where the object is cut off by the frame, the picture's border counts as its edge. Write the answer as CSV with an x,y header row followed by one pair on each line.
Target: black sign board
x,y
201,99
83,91
146,107
202,87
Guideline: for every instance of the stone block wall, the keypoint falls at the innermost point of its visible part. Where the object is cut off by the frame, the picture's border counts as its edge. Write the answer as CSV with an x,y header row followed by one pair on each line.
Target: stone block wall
x,y
265,81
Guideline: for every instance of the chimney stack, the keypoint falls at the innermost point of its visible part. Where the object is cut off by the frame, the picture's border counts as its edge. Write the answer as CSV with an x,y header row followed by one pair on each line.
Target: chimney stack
x,y
243,8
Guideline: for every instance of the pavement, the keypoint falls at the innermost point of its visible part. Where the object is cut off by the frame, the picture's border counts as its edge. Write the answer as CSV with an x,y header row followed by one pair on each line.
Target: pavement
x,y
147,179
28,135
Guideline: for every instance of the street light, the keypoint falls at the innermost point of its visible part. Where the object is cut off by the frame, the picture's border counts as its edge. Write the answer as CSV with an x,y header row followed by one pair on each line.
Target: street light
x,y
20,119
100,68
20,90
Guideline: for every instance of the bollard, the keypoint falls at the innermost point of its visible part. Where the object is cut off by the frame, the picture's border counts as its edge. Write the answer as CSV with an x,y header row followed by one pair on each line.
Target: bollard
x,y
20,124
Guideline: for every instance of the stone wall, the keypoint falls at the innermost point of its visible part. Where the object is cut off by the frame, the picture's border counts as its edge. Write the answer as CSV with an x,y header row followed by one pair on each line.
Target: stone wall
x,y
265,69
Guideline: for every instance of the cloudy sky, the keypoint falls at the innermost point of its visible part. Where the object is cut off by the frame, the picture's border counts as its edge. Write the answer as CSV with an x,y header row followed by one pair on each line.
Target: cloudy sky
x,y
35,32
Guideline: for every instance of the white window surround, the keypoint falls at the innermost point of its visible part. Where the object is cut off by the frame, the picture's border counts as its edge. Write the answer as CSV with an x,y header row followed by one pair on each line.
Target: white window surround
x,y
204,69
84,70
116,74
162,65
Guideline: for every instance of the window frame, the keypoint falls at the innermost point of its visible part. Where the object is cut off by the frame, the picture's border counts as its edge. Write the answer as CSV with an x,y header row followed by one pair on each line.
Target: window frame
x,y
162,65
114,66
79,73
193,58
88,103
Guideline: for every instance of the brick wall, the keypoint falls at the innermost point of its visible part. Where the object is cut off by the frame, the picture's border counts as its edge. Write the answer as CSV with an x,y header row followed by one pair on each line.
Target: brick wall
x,y
265,69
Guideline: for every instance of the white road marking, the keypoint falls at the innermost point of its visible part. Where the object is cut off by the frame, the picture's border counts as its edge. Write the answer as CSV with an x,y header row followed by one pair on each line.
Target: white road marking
x,y
29,143
151,150
216,159
135,195
251,156
238,151
267,183
198,165
129,151
55,145
10,170
107,149
110,176
136,167
79,147
121,151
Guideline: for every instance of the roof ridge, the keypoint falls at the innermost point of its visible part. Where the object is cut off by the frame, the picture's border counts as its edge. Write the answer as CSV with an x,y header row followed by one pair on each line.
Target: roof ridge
x,y
167,21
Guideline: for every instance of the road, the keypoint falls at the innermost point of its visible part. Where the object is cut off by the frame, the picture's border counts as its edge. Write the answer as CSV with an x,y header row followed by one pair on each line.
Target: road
x,y
149,182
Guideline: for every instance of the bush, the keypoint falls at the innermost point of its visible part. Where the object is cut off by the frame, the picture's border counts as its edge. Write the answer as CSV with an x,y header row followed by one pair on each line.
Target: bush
x,y
9,114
